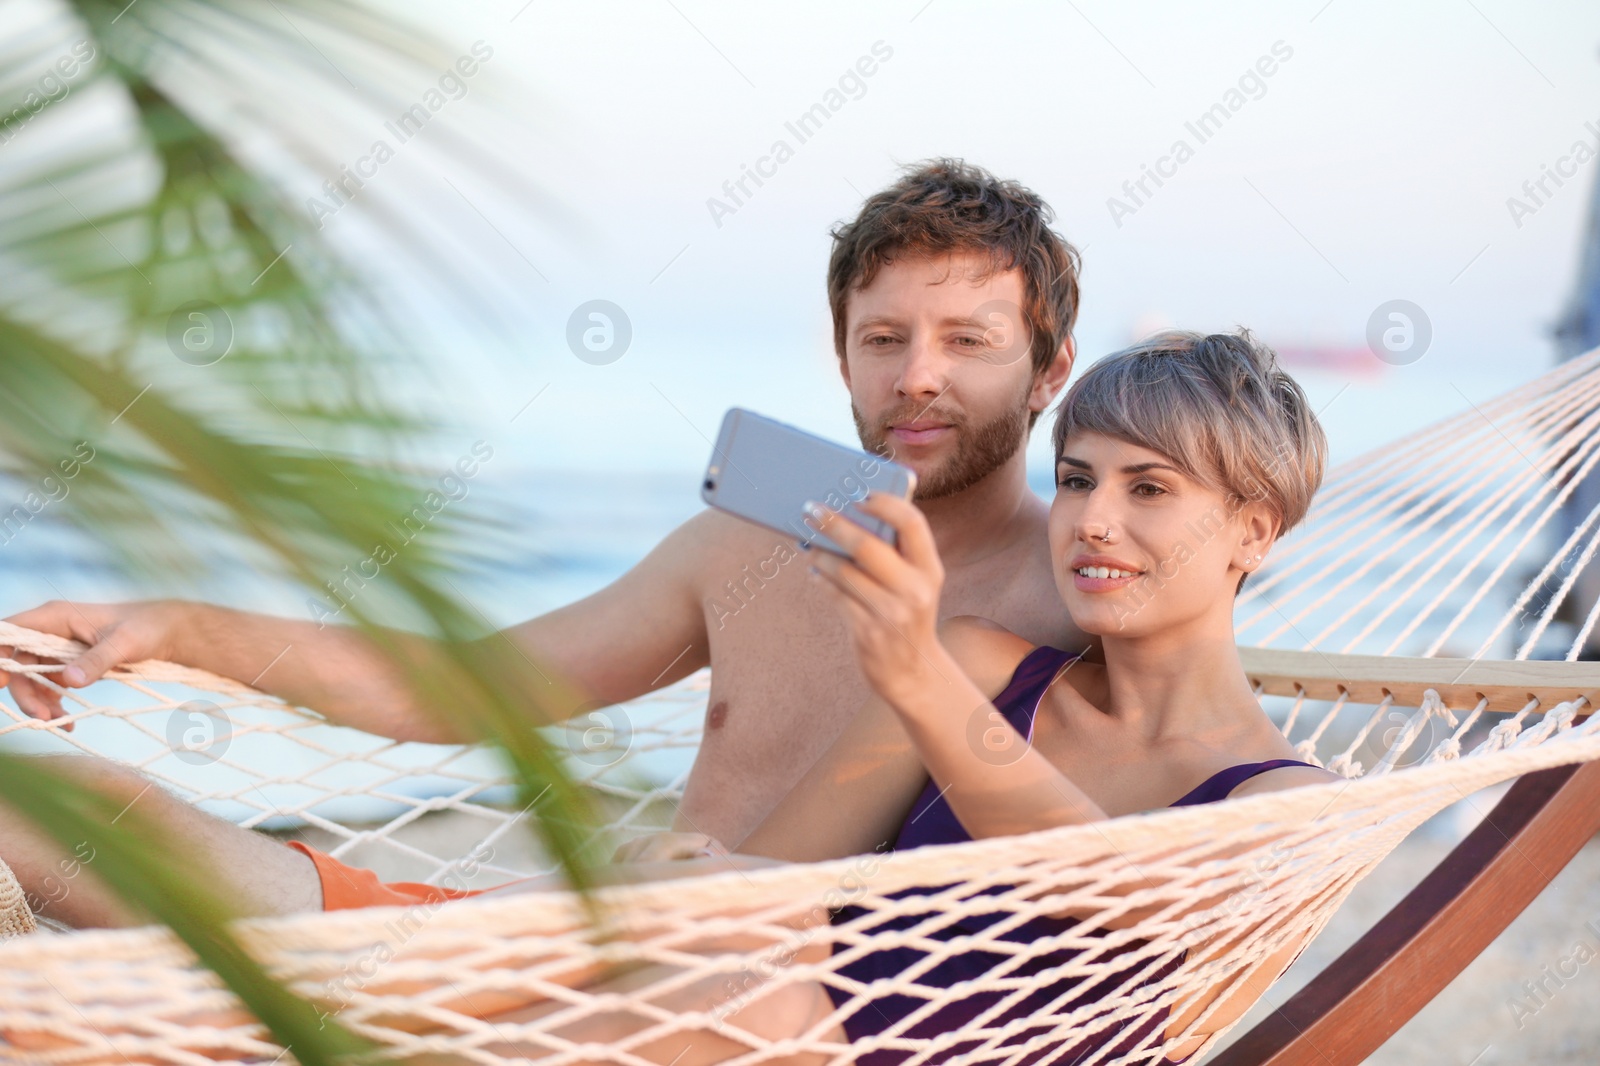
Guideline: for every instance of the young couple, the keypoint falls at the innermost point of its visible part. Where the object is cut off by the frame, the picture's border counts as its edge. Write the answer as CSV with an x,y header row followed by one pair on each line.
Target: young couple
x,y
1100,626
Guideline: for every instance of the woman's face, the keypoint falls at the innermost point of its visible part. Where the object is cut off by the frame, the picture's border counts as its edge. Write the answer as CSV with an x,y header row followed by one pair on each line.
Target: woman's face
x,y
1180,545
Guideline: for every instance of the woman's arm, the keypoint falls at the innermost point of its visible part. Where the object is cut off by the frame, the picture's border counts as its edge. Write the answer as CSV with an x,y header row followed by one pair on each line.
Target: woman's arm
x,y
856,796
890,598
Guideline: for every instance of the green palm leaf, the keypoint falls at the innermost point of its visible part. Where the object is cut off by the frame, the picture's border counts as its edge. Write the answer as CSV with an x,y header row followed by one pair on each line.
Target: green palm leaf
x,y
171,308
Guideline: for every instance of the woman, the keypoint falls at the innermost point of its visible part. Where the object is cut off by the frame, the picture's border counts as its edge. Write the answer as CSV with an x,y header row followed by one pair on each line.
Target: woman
x,y
1179,462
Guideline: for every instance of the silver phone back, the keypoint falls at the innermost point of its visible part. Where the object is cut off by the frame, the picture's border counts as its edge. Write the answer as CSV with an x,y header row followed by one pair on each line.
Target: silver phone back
x,y
764,471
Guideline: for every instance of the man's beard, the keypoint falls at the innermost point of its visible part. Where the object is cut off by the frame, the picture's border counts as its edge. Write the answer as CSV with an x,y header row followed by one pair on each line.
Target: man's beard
x,y
980,450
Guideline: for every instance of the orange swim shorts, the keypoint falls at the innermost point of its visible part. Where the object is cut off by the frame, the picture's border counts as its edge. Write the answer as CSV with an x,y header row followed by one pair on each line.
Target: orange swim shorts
x,y
346,887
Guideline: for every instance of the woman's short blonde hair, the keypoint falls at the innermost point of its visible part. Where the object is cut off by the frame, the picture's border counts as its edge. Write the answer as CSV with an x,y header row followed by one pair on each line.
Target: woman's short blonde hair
x,y
1217,406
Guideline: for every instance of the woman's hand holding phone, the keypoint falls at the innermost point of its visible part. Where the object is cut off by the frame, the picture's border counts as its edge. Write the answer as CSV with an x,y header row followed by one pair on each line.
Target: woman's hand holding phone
x,y
889,595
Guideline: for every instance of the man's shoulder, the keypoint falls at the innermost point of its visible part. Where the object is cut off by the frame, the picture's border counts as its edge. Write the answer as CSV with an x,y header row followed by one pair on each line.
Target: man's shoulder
x,y
714,531
713,543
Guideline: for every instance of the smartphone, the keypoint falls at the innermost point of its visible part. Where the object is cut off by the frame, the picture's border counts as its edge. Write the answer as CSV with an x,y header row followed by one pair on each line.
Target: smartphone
x,y
764,471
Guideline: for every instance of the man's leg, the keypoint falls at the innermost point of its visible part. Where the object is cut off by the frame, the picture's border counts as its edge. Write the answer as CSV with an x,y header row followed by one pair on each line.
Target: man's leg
x,y
258,874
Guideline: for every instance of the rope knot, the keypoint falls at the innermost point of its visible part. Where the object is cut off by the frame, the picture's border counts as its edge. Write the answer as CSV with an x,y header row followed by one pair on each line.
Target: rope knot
x,y
1562,715
1449,748
1433,704
1345,766
1503,734
1554,720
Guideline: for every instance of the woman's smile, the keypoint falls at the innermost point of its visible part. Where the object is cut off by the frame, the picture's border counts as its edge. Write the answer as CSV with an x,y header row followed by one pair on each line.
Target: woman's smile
x,y
1102,573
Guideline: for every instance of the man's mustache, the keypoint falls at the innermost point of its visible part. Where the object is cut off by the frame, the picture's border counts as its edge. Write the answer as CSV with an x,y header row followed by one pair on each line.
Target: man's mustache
x,y
878,441
921,414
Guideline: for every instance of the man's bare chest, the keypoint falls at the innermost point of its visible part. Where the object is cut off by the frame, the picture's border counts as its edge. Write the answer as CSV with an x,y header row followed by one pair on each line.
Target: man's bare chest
x,y
780,650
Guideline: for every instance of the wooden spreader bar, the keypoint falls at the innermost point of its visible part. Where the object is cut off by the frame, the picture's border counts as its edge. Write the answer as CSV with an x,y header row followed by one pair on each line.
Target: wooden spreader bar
x,y
1461,683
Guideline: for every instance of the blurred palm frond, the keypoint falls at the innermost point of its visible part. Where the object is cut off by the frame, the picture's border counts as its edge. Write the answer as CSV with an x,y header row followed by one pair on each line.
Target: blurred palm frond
x,y
172,309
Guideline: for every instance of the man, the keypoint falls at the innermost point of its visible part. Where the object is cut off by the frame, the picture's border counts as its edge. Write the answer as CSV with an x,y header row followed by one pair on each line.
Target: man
x,y
953,304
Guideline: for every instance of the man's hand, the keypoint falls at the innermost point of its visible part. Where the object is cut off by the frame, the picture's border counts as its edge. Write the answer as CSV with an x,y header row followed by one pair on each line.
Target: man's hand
x,y
669,847
116,634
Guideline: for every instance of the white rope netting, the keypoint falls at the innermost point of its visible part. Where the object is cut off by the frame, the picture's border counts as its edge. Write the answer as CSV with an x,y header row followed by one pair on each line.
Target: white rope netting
x,y
1104,943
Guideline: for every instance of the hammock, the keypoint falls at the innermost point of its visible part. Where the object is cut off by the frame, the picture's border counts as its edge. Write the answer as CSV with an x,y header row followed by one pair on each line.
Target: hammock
x,y
1448,541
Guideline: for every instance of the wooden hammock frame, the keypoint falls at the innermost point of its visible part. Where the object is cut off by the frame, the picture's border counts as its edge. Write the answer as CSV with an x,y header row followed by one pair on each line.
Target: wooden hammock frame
x,y
1380,982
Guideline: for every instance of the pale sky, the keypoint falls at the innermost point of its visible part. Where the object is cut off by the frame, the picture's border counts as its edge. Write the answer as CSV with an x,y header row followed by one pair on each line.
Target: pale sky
x,y
1374,163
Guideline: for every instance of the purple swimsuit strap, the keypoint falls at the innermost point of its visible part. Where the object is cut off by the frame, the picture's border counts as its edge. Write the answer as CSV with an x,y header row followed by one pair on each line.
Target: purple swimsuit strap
x,y
1219,784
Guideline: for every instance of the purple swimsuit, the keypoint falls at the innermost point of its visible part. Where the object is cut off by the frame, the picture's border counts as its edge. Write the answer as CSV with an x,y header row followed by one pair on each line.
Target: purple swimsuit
x,y
931,821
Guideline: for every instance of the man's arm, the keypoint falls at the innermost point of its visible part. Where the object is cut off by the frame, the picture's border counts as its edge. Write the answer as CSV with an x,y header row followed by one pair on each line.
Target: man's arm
x,y
644,630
